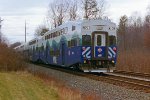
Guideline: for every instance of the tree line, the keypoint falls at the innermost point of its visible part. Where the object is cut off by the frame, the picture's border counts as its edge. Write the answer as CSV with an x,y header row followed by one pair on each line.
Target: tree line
x,y
134,43
134,31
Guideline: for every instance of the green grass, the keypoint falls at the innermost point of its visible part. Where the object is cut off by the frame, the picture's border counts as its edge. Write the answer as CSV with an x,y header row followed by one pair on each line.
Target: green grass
x,y
24,86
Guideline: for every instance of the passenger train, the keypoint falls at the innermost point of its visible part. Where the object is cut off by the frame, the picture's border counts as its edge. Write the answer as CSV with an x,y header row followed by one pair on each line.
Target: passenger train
x,y
88,45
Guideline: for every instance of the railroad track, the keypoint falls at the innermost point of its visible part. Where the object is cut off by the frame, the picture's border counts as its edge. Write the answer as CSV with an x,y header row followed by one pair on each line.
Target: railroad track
x,y
127,82
142,75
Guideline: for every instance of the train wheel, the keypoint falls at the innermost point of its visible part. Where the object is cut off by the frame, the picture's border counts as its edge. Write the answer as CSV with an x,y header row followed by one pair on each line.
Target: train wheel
x,y
75,67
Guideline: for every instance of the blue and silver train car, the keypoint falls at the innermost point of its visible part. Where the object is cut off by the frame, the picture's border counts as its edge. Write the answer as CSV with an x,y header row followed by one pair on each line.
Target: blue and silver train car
x,y
89,45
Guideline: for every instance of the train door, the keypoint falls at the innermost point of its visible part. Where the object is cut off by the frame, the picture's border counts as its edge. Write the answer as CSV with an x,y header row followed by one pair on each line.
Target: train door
x,y
33,55
63,54
99,45
47,50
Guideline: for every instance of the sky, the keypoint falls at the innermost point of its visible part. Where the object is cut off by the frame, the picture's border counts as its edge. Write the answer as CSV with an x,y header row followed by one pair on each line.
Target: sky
x,y
15,12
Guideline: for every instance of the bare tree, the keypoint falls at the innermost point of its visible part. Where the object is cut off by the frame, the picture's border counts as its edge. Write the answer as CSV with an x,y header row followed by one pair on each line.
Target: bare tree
x,y
73,10
90,8
57,11
101,8
135,31
41,30
93,9
0,30
147,28
122,31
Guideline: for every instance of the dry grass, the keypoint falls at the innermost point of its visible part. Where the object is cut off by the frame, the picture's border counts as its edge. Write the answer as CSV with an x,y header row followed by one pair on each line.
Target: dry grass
x,y
24,86
10,60
135,60
65,92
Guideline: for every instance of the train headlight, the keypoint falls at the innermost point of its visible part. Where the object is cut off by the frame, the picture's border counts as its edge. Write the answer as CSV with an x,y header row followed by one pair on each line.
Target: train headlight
x,y
113,61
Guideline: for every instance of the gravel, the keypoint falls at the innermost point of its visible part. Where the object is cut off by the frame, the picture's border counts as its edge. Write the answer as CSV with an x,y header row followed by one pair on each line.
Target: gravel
x,y
85,85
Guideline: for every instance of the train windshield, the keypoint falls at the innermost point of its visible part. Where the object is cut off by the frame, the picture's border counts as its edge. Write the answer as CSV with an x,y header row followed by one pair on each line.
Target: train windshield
x,y
112,40
99,39
86,40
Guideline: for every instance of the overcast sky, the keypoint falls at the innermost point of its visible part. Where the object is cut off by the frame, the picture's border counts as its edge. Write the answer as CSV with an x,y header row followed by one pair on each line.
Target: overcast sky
x,y
15,12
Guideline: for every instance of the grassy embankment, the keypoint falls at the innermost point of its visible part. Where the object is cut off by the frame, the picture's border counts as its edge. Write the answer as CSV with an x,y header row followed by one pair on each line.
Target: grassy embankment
x,y
25,86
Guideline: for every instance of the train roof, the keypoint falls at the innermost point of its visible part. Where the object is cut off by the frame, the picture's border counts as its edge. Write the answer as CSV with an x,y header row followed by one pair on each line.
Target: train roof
x,y
91,21
102,22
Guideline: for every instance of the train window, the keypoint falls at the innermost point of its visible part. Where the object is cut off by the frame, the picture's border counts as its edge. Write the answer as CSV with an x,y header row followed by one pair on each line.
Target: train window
x,y
57,34
69,43
46,37
33,49
73,28
66,30
74,42
42,47
112,40
51,52
49,36
37,48
99,40
52,35
62,31
86,40
57,53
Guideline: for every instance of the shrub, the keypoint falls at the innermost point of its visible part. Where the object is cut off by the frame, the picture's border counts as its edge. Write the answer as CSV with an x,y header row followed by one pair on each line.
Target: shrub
x,y
10,60
135,60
